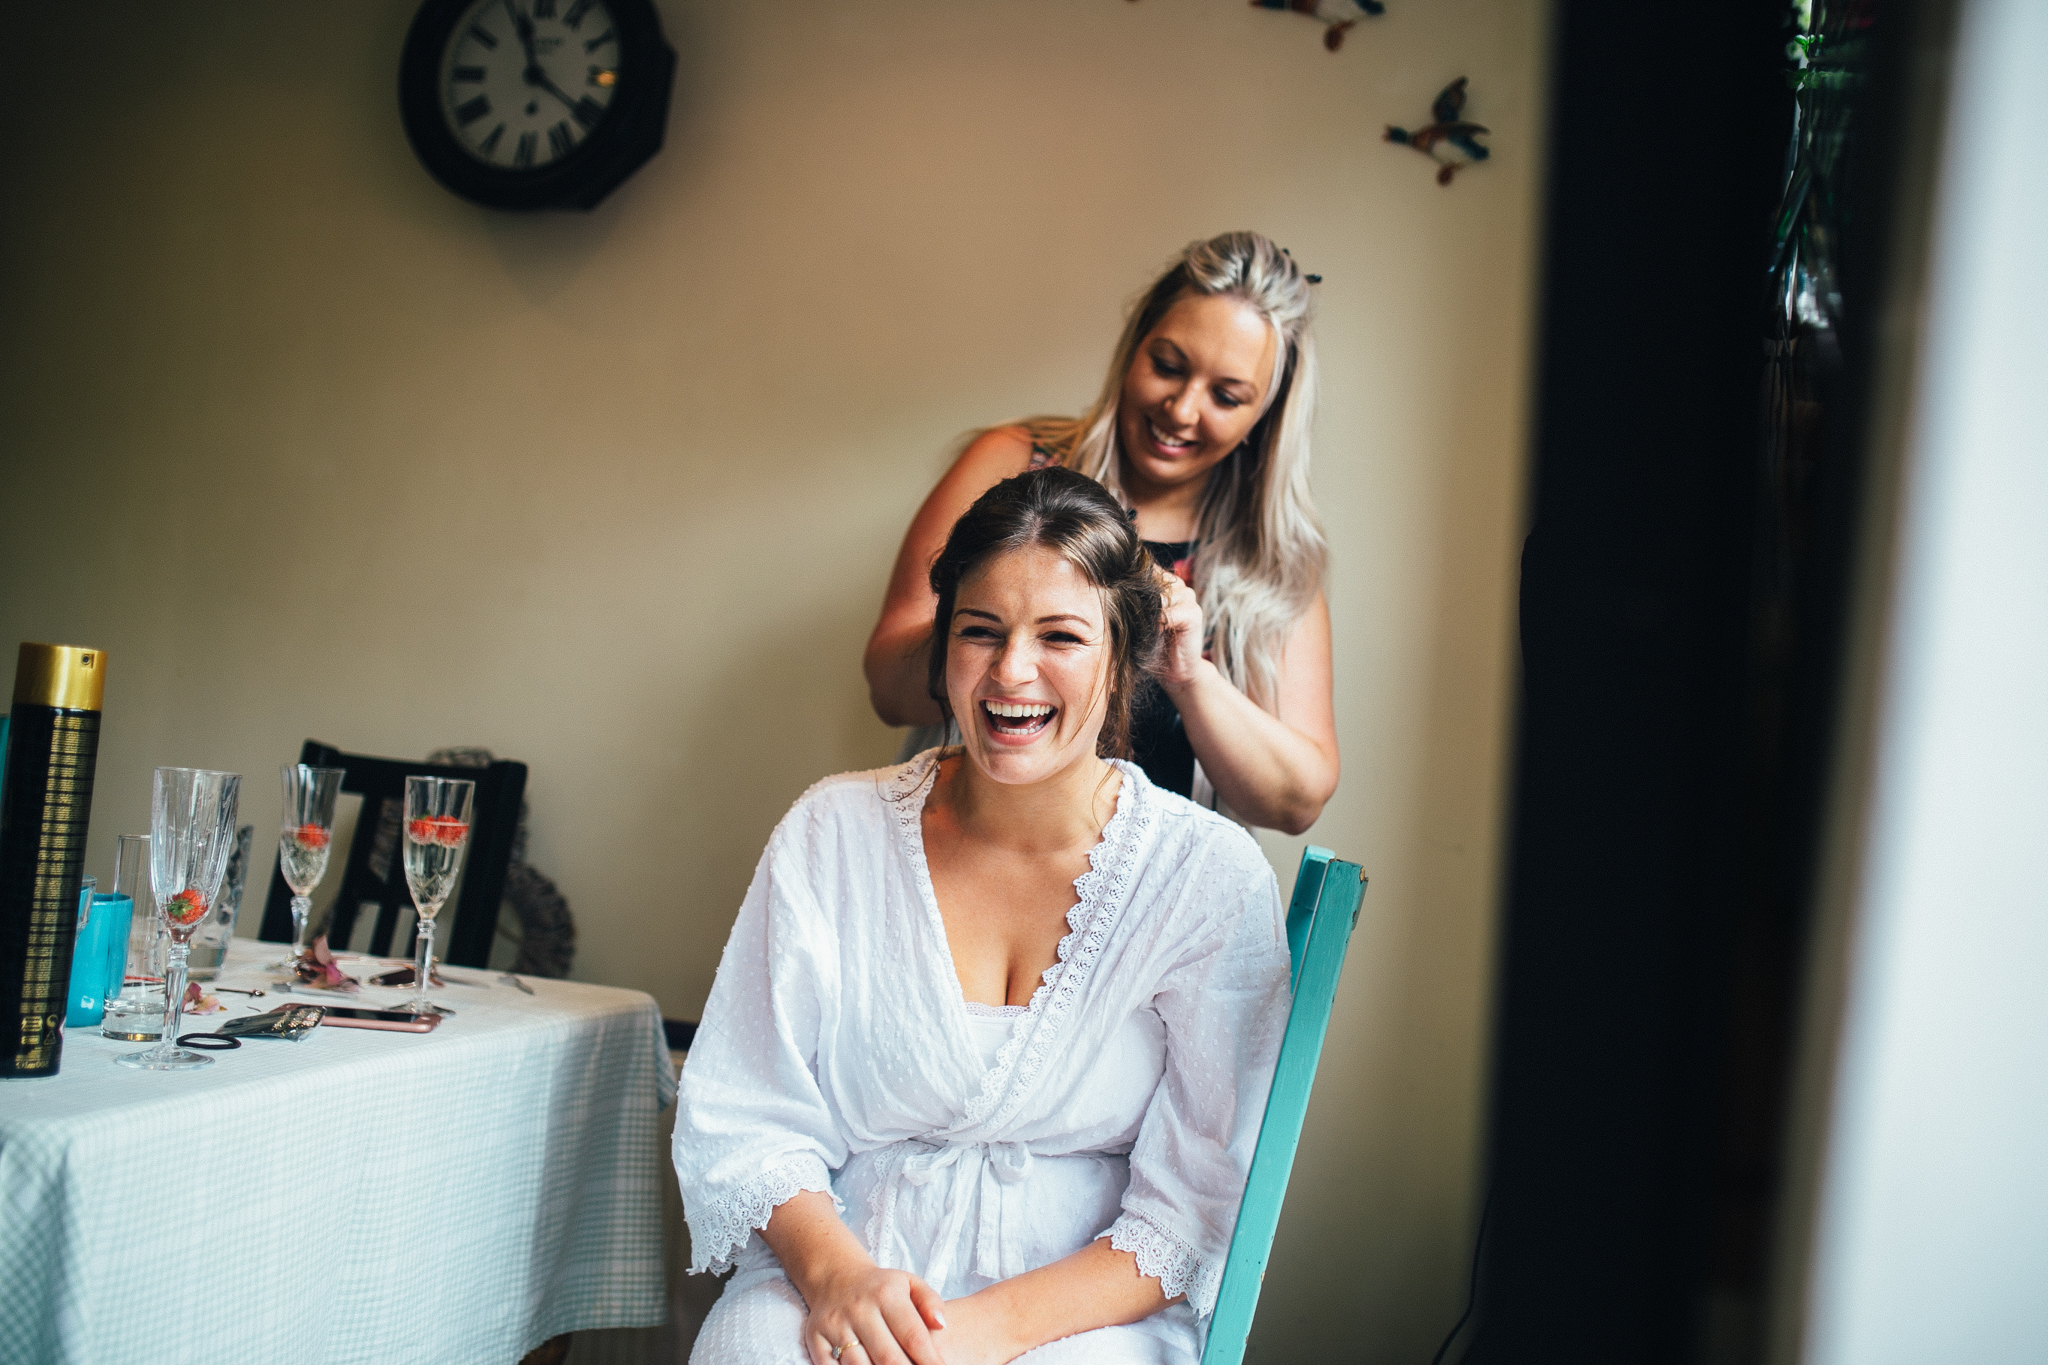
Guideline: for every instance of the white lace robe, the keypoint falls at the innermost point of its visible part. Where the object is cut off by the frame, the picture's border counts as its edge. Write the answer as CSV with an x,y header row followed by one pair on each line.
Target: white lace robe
x,y
836,1055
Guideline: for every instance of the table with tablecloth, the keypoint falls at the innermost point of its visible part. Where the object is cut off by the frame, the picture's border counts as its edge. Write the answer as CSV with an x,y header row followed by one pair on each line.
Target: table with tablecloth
x,y
360,1196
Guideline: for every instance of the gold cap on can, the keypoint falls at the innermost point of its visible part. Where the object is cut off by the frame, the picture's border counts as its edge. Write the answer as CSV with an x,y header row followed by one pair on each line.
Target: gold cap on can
x,y
69,677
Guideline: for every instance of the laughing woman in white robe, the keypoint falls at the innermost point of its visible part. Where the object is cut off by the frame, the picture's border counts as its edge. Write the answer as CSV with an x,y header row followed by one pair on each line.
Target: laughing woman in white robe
x,y
987,1053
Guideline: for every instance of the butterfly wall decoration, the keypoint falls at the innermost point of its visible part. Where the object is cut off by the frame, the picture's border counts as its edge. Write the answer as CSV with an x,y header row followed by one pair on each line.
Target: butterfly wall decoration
x,y
1451,141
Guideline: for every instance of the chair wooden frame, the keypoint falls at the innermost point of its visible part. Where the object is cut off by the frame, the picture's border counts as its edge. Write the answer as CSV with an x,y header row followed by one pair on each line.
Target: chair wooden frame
x,y
493,825
1327,894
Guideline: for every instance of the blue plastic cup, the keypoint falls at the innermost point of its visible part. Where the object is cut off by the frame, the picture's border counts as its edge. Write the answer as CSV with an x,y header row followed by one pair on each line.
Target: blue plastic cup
x,y
99,957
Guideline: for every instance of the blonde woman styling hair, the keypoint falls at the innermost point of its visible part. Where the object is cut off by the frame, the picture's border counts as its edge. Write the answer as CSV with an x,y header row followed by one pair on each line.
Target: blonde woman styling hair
x,y
1202,430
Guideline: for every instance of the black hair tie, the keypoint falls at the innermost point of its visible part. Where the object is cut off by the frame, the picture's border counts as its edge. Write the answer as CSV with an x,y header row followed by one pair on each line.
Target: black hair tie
x,y
209,1042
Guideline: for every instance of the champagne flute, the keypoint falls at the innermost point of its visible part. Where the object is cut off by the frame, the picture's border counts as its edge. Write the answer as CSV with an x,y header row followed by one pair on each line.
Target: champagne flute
x,y
192,831
304,842
437,811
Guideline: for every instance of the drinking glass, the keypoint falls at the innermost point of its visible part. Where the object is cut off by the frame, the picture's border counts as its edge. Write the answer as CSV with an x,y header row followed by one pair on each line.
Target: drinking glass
x,y
136,1014
304,842
96,918
436,833
192,831
216,933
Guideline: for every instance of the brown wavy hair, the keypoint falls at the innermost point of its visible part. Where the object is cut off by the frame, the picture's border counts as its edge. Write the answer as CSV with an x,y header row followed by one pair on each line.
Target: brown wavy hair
x,y
1076,518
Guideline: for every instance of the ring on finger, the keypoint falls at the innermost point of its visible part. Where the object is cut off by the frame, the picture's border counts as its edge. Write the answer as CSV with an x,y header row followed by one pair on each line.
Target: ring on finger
x,y
844,1347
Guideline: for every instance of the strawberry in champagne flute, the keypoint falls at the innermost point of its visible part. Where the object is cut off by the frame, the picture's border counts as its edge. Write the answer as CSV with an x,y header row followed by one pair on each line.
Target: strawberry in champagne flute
x,y
187,907
191,832
303,845
437,812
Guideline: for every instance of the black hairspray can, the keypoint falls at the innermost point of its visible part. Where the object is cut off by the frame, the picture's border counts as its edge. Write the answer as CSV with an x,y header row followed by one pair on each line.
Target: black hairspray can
x,y
52,742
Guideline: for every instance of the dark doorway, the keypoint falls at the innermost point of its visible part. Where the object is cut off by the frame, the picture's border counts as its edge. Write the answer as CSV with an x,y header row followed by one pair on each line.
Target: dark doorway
x,y
1694,488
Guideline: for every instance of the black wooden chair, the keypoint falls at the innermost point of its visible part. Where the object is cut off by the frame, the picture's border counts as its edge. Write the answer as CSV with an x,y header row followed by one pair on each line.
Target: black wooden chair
x,y
375,875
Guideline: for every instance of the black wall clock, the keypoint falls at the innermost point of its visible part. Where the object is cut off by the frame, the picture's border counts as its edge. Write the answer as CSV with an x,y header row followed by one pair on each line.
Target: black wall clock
x,y
528,104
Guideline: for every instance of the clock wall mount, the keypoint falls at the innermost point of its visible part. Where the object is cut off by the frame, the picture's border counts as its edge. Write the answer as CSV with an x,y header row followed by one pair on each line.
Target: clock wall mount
x,y
530,104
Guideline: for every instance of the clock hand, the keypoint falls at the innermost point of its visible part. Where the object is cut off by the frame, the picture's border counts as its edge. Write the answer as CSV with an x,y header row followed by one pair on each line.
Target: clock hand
x,y
539,76
524,27
521,25
535,73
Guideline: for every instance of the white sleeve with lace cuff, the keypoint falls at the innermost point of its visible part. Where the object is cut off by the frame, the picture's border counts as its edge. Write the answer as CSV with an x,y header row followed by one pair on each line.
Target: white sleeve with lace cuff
x,y
720,1229
1178,1267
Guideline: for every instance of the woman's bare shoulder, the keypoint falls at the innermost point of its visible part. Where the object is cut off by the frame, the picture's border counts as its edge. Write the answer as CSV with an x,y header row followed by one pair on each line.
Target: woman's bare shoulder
x,y
998,453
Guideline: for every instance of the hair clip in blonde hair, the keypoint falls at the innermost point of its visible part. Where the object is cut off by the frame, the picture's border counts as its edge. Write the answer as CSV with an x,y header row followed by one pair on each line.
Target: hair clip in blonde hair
x,y
1312,279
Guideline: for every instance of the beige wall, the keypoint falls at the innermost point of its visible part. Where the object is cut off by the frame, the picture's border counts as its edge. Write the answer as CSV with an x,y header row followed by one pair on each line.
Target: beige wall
x,y
313,448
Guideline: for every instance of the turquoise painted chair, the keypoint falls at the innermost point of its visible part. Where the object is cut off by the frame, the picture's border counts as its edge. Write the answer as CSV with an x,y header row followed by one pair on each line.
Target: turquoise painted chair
x,y
1327,891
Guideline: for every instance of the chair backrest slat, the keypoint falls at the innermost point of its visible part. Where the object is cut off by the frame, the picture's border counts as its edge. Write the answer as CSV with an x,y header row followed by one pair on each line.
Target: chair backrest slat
x,y
1301,909
1320,916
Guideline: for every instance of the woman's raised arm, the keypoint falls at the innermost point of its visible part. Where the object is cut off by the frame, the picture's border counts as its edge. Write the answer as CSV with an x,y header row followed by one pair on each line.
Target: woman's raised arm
x,y
896,653
1277,768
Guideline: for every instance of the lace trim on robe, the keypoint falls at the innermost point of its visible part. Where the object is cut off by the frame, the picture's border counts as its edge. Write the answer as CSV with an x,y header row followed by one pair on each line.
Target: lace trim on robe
x,y
1102,891
719,1231
1178,1267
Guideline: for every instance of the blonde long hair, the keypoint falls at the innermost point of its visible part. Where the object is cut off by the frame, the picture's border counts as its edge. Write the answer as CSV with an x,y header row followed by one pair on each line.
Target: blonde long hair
x,y
1261,555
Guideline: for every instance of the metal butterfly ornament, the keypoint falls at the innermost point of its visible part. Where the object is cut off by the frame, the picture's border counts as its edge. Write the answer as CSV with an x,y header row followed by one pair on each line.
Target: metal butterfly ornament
x,y
1450,141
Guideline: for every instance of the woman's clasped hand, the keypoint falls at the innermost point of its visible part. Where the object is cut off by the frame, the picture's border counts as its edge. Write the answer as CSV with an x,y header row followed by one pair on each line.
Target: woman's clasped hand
x,y
858,1310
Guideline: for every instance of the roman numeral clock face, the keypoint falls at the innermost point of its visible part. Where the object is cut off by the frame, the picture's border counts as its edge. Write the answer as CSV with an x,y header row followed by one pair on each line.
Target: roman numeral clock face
x,y
529,80
519,104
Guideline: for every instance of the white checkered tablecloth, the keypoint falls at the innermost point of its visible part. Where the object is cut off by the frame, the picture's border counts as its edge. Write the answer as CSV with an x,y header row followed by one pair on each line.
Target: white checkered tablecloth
x,y
458,1196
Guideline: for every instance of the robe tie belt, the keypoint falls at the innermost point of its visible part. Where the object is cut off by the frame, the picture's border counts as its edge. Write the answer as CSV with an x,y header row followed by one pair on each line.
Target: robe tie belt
x,y
988,1174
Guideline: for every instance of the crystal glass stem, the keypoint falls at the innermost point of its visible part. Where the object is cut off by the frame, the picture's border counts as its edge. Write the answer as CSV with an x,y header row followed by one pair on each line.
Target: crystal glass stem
x,y
301,907
174,995
423,967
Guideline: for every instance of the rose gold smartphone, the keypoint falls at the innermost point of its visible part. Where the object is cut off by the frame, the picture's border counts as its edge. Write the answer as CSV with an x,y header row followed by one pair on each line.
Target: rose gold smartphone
x,y
397,1021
